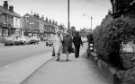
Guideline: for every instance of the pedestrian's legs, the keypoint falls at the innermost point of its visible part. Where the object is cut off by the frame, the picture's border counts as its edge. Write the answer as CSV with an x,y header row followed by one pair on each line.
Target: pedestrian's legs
x,y
67,55
77,48
58,53
75,52
58,57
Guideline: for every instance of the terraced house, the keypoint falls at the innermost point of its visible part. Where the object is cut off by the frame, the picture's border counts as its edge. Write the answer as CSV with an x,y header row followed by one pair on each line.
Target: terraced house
x,y
10,21
34,25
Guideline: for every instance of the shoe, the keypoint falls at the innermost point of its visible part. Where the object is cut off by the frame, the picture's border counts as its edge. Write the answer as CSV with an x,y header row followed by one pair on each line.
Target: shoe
x,y
57,59
76,56
67,59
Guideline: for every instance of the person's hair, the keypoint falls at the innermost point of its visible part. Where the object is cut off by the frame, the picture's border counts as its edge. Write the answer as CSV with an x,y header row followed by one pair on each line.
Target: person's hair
x,y
77,33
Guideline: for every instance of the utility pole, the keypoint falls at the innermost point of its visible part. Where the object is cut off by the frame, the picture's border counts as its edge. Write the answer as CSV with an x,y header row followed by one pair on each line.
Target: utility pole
x,y
91,19
91,23
68,24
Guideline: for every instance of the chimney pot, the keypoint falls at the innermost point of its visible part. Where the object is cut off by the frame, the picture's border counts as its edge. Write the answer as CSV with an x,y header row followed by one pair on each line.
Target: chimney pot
x,y
11,8
5,5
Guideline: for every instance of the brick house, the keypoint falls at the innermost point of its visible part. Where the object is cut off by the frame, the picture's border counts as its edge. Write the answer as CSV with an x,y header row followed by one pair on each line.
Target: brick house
x,y
34,25
9,20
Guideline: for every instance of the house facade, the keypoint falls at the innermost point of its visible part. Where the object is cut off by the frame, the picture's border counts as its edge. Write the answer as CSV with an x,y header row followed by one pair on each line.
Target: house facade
x,y
34,25
9,20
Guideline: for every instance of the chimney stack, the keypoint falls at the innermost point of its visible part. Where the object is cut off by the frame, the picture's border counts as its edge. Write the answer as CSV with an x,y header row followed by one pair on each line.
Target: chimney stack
x,y
5,5
11,8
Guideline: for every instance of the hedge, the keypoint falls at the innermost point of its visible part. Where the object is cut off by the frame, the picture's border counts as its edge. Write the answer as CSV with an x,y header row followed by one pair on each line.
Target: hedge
x,y
108,37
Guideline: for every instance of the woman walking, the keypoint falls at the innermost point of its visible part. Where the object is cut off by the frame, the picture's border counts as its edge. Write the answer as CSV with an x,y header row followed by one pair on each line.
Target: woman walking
x,y
67,45
57,45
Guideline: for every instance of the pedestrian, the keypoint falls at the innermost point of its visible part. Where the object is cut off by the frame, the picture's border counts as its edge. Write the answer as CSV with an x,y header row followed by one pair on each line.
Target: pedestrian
x,y
57,45
90,41
67,45
77,42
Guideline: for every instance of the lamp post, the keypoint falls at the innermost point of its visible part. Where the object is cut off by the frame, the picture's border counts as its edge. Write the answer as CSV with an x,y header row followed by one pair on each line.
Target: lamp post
x,y
68,23
91,23
91,18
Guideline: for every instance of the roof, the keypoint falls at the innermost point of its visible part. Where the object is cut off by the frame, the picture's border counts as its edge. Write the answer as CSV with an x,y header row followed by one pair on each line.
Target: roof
x,y
2,10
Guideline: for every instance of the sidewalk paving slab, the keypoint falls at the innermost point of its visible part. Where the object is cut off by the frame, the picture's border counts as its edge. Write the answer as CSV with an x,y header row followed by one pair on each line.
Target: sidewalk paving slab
x,y
75,71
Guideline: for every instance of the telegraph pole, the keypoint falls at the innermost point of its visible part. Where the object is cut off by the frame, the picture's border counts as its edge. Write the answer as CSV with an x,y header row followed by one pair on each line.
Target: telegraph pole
x,y
68,24
91,23
91,19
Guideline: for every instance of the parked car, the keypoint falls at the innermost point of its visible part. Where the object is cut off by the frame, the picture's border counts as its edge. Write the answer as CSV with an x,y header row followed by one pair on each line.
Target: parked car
x,y
34,40
49,43
24,39
9,41
44,39
16,40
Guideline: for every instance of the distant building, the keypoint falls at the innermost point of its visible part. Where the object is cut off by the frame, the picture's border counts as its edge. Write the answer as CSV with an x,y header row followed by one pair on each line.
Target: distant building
x,y
84,32
9,20
49,30
33,24
61,28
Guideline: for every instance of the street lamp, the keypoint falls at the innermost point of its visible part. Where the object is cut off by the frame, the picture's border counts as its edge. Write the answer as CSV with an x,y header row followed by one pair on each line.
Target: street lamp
x,y
68,23
91,22
91,18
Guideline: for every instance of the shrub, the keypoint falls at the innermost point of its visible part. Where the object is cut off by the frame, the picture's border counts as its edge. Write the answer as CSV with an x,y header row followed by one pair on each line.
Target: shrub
x,y
108,37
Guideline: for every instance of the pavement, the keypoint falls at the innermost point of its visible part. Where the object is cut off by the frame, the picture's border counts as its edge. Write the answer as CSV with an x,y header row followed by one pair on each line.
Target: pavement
x,y
17,72
75,71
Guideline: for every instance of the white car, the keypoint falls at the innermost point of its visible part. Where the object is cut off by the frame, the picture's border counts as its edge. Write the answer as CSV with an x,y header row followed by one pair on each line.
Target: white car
x,y
34,40
49,43
24,39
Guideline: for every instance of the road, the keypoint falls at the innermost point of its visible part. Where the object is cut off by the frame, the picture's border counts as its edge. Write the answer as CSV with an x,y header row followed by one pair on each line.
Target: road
x,y
11,54
76,71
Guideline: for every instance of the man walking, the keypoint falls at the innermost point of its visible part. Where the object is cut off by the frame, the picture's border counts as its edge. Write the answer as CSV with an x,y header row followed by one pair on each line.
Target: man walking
x,y
90,41
77,42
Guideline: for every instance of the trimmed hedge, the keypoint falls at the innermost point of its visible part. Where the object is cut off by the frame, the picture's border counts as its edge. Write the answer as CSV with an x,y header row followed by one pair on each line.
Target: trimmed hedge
x,y
108,37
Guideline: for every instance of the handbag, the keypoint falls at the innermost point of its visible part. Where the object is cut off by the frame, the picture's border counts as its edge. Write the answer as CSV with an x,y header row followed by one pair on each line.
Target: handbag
x,y
71,49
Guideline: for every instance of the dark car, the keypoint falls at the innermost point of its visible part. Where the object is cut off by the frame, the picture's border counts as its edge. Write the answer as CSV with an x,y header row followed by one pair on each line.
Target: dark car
x,y
34,40
49,43
19,42
9,43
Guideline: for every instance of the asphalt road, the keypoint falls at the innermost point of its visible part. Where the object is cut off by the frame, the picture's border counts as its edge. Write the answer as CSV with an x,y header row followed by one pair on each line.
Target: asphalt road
x,y
12,54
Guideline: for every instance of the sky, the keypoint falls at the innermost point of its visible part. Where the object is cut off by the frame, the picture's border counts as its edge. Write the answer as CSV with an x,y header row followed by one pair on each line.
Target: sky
x,y
80,10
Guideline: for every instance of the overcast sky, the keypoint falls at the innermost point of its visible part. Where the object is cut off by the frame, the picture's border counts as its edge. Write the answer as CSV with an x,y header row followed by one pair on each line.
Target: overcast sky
x,y
81,10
